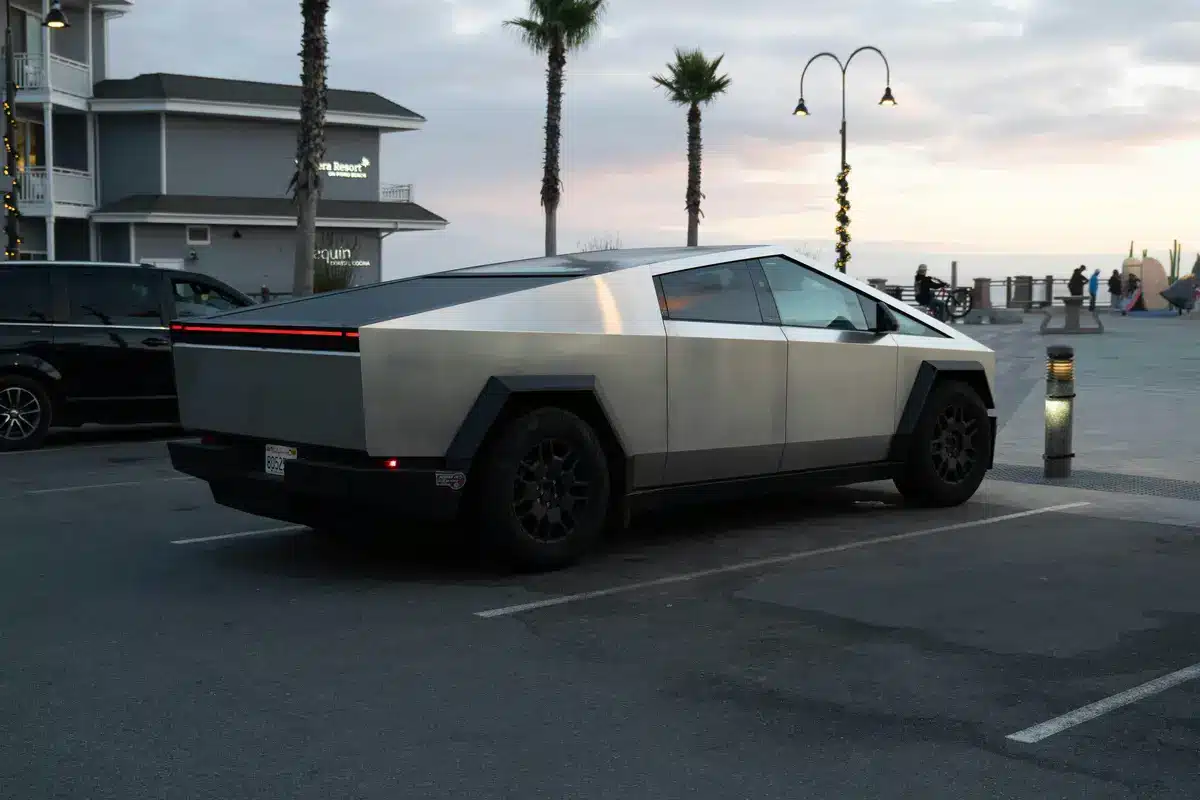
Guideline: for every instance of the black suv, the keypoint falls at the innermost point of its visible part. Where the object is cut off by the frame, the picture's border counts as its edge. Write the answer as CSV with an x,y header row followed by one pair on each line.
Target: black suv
x,y
88,342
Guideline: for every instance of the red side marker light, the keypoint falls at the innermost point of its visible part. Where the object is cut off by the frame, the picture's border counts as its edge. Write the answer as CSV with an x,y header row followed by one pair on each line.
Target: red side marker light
x,y
391,463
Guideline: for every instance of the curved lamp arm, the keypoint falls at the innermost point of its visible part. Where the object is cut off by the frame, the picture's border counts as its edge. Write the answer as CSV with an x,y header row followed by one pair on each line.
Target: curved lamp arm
x,y
887,90
801,109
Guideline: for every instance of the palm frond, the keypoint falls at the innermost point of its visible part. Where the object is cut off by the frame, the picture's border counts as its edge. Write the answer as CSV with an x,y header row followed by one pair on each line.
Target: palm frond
x,y
568,23
692,78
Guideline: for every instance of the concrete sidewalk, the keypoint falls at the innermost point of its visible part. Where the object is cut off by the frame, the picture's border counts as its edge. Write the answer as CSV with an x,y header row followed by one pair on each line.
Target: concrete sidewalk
x,y
1137,433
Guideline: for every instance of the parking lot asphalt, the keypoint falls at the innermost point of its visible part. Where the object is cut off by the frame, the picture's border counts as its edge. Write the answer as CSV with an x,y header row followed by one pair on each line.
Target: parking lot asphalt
x,y
831,646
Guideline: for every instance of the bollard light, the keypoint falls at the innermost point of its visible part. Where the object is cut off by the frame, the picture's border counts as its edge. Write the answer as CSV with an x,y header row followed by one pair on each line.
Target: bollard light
x,y
1060,410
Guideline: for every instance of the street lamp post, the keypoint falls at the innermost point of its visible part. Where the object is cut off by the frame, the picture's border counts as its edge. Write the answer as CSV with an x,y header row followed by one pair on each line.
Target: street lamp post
x,y
843,179
54,20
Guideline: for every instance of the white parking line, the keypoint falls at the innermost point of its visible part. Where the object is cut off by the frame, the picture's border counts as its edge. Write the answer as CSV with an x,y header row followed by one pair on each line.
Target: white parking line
x,y
241,534
86,487
1089,712
764,562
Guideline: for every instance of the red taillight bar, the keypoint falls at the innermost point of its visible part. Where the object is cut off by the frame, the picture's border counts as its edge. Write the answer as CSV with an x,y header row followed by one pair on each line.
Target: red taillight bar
x,y
175,326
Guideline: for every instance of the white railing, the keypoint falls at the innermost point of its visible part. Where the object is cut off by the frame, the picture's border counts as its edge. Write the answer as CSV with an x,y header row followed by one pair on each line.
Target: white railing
x,y
72,187
30,71
70,77
396,192
67,76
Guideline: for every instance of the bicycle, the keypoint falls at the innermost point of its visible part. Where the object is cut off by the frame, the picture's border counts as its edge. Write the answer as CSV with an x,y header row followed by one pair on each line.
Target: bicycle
x,y
958,302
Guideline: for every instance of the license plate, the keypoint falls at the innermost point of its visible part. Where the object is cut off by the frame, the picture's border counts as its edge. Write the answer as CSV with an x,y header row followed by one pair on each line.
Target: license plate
x,y
277,458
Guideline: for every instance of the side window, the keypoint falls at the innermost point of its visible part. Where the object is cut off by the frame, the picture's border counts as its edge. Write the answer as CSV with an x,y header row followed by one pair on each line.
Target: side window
x,y
720,293
113,297
195,299
907,326
25,295
808,299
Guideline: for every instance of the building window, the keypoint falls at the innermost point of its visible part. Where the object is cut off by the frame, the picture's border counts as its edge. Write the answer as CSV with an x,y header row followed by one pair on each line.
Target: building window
x,y
197,234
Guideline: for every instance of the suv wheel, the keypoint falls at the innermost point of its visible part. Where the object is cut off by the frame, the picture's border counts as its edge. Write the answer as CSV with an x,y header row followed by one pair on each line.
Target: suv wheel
x,y
543,497
951,448
24,413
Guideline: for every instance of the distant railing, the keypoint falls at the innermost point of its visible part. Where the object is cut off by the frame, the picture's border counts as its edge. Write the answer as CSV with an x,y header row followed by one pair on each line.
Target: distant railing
x,y
29,70
396,192
70,77
71,187
1022,291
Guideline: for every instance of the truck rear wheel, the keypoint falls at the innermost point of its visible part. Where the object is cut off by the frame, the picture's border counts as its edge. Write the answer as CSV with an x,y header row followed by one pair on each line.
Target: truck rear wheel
x,y
543,496
950,450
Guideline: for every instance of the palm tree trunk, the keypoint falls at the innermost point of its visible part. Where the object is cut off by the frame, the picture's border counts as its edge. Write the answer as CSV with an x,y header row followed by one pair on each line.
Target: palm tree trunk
x,y
693,178
551,170
310,142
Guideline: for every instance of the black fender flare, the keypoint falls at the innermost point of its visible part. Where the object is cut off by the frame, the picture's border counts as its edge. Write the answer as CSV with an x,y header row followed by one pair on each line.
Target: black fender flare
x,y
24,362
929,374
491,402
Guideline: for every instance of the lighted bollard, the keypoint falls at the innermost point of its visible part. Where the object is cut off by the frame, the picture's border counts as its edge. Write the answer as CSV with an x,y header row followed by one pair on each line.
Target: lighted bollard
x,y
1060,410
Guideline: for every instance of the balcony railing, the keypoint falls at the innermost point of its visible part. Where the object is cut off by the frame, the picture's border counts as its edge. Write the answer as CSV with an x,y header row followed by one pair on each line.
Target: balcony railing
x,y
396,192
72,187
67,76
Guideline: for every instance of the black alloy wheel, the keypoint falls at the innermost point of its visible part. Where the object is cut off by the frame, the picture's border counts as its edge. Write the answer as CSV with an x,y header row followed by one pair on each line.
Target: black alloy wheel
x,y
950,450
540,490
954,444
551,490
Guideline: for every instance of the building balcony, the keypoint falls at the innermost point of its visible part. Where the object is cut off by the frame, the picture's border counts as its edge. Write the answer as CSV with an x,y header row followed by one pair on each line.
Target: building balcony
x,y
39,76
396,192
74,192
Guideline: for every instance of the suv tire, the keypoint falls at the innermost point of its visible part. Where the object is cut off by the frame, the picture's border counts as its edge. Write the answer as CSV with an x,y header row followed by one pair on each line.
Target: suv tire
x,y
950,450
25,413
544,490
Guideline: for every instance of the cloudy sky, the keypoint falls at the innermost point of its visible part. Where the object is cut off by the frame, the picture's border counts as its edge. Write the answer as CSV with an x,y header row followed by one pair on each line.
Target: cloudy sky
x,y
1028,134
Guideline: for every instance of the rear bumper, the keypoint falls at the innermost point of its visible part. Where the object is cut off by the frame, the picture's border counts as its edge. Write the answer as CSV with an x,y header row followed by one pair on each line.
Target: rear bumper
x,y
314,492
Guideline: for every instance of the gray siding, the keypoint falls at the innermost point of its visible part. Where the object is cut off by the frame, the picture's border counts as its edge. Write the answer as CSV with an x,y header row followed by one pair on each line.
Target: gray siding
x,y
33,235
260,256
255,158
99,21
128,156
71,42
113,240
70,141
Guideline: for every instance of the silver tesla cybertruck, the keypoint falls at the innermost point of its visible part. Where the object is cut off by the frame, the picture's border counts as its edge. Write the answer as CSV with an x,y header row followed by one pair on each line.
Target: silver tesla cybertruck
x,y
546,399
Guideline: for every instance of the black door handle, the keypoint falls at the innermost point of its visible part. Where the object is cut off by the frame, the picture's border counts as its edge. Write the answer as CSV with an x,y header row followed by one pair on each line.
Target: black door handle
x,y
155,341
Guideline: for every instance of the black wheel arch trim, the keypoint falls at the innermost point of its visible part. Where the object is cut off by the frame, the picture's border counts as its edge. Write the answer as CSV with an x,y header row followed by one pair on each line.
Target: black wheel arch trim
x,y
494,397
21,362
929,374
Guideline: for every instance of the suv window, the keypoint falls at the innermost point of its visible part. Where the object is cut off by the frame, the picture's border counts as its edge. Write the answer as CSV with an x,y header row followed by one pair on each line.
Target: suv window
x,y
907,326
807,299
114,296
720,293
197,299
25,295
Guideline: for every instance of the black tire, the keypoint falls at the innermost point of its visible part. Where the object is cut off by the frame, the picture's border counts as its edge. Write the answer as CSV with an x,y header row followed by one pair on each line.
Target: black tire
x,y
543,490
951,448
25,413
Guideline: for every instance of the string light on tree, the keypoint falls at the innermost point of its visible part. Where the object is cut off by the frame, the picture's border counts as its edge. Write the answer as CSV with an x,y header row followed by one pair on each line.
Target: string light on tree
x,y
843,219
12,222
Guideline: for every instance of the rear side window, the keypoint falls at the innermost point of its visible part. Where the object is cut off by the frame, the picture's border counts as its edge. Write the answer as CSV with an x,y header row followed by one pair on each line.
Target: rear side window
x,y
114,297
25,295
720,293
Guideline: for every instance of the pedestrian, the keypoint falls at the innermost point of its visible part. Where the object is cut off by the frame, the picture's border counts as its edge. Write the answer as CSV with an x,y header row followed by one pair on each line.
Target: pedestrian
x,y
1115,287
1093,290
1131,294
1076,282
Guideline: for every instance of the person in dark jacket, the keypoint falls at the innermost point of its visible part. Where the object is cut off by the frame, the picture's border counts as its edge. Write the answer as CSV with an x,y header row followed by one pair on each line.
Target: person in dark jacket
x,y
1077,281
925,286
1116,288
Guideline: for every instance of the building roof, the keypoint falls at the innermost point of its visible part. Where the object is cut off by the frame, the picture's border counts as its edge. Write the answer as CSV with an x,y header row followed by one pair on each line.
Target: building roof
x,y
168,86
168,208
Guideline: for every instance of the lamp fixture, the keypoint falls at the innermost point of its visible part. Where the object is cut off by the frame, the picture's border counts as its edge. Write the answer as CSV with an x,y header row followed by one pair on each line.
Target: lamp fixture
x,y
887,99
56,18
801,109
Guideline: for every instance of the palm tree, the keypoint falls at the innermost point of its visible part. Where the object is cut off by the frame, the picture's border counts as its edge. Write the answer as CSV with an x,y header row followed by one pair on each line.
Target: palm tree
x,y
555,28
310,143
692,81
